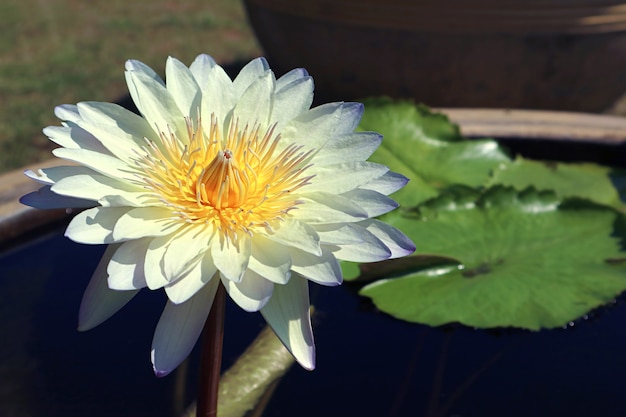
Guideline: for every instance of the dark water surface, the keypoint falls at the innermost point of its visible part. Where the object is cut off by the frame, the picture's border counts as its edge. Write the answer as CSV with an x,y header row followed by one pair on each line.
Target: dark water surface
x,y
368,364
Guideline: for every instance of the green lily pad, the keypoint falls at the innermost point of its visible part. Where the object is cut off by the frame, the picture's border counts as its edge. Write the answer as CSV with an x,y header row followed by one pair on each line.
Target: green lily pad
x,y
428,149
584,180
525,259
349,270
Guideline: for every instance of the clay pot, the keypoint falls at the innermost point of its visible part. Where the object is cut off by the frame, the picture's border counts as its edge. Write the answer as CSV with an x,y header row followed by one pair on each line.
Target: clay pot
x,y
539,54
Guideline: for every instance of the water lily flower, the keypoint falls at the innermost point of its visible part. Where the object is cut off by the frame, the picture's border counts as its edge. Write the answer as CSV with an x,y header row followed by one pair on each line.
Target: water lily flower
x,y
218,180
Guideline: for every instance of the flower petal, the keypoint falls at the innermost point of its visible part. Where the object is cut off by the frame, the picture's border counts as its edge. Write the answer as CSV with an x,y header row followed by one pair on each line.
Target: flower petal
x,y
103,163
348,147
370,249
109,192
287,312
67,112
248,75
178,329
294,95
140,67
75,137
156,104
145,221
323,269
99,301
153,265
185,249
126,269
374,203
394,239
322,208
251,293
256,102
340,178
218,99
186,286
39,176
95,225
231,258
106,191
200,68
293,233
287,80
55,174
162,270
317,126
270,260
183,87
62,136
387,184
339,234
121,131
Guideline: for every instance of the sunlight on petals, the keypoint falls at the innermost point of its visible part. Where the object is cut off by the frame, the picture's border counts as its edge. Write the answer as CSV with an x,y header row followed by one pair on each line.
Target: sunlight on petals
x,y
178,329
215,182
287,312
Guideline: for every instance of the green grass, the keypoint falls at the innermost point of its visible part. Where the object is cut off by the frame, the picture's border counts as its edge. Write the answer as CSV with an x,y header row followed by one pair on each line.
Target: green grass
x,y
65,51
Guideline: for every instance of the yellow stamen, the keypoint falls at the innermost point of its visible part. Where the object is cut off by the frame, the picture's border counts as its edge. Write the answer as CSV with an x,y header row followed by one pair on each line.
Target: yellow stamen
x,y
238,183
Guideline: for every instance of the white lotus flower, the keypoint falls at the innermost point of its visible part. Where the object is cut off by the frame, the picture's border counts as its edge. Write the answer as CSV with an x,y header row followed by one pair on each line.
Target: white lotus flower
x,y
219,180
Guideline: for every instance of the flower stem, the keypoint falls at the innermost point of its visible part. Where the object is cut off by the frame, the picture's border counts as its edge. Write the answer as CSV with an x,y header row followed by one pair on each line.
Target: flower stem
x,y
211,359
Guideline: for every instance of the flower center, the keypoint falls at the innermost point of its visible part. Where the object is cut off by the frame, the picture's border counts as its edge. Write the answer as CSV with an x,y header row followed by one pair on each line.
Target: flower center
x,y
237,183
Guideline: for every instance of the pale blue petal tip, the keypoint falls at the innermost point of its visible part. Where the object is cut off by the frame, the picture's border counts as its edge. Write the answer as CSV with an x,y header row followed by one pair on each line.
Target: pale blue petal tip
x,y
161,374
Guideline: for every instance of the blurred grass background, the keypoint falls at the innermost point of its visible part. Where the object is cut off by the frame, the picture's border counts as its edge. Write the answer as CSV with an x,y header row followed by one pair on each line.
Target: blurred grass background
x,y
65,51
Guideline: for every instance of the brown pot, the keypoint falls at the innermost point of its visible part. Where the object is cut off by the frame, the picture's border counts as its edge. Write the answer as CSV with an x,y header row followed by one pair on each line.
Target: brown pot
x,y
540,54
